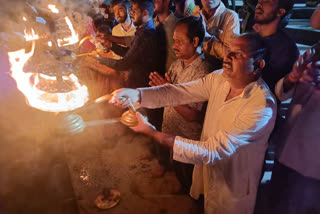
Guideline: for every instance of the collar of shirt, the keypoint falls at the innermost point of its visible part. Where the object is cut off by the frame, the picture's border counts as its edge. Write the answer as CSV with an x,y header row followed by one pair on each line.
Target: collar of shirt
x,y
132,27
147,26
221,8
171,17
247,90
195,63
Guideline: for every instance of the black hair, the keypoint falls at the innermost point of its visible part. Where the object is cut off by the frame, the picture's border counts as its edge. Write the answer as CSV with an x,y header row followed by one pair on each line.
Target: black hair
x,y
287,5
125,3
144,5
106,29
256,43
195,28
98,20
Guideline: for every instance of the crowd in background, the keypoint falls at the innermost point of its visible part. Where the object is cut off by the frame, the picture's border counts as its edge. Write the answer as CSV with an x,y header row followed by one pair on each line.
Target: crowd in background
x,y
220,90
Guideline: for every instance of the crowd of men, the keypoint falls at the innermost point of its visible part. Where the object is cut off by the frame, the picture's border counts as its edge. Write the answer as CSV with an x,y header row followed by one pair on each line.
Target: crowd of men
x,y
220,91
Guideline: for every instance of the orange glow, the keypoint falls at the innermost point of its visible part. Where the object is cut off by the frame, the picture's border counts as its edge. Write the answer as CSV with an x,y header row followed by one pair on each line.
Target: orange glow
x,y
27,82
32,36
53,8
74,38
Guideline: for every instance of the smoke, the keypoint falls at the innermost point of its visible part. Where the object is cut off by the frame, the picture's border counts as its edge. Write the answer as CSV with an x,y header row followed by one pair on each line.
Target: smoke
x,y
20,15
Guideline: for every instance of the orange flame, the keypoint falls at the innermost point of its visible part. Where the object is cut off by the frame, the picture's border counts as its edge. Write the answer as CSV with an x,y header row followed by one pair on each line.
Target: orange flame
x,y
74,38
32,36
53,8
26,83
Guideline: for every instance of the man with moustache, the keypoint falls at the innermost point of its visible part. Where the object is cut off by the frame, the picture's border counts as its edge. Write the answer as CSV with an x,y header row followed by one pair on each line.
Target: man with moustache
x,y
125,26
144,55
183,120
239,119
282,51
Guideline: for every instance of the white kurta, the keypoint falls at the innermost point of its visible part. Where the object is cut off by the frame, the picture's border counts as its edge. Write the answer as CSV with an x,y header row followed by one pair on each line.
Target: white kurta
x,y
229,157
225,26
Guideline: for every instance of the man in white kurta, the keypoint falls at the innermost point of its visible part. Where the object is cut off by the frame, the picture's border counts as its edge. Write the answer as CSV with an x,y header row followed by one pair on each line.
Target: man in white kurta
x,y
229,156
222,26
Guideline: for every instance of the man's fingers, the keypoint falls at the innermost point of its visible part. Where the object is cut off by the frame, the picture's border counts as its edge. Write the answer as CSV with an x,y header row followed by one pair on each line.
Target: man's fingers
x,y
168,78
157,78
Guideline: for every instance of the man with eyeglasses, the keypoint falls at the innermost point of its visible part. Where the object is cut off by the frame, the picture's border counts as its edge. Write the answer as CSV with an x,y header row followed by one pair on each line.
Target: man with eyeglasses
x,y
145,53
239,119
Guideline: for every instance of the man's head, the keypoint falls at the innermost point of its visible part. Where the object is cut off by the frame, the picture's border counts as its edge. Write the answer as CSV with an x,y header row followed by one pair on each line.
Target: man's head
x,y
268,11
210,4
141,11
161,6
244,62
188,36
121,10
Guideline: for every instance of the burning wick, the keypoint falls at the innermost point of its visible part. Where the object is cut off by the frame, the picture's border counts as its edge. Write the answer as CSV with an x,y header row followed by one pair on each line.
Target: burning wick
x,y
53,8
50,44
24,19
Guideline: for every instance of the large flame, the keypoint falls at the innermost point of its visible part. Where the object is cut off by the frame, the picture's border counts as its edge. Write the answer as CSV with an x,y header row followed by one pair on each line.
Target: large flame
x,y
26,83
74,38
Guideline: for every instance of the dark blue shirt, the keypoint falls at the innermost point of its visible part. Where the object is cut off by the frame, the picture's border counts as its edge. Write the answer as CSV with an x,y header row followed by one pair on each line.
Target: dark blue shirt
x,y
281,54
145,55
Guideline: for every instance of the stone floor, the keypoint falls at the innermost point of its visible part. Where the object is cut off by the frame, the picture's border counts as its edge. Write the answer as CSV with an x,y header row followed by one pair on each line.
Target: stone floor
x,y
43,171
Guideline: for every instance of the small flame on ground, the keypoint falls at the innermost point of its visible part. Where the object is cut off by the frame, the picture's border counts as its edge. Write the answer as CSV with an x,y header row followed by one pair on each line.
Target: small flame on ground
x,y
53,8
50,44
24,19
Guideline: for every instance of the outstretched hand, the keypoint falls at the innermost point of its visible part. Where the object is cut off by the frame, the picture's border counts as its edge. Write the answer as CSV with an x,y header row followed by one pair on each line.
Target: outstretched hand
x,y
156,79
312,74
143,125
121,97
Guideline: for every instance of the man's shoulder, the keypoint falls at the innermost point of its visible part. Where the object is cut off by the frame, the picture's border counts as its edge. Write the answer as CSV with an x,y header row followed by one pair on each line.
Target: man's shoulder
x,y
281,37
228,15
116,28
261,94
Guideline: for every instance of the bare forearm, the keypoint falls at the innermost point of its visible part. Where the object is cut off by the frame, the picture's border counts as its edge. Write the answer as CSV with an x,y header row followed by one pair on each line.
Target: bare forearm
x,y
162,138
187,112
288,84
116,39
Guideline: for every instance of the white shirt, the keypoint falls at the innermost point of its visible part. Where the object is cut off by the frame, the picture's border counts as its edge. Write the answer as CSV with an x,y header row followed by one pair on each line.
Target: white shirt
x,y
173,122
300,135
225,26
118,30
229,157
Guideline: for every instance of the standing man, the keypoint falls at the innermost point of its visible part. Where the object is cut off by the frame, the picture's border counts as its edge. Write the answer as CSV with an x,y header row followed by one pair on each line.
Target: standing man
x,y
183,120
125,26
282,51
222,27
165,21
144,55
295,182
239,119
